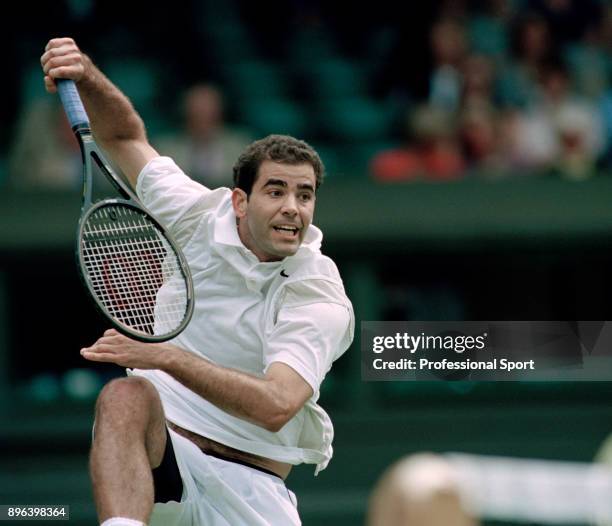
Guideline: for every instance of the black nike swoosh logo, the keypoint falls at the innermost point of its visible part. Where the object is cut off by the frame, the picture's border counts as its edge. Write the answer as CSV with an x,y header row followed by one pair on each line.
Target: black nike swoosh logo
x,y
284,274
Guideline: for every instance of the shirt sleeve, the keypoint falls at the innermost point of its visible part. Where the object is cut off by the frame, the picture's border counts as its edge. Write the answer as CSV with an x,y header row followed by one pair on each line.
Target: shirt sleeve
x,y
308,338
177,201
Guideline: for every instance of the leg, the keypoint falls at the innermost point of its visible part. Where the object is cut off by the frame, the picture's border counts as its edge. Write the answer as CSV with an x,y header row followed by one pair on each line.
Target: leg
x,y
129,441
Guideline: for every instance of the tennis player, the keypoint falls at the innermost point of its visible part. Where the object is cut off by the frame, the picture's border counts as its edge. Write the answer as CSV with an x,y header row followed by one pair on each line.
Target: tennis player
x,y
208,426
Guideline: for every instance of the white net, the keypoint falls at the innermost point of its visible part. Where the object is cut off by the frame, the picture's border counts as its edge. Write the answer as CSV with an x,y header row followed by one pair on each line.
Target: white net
x,y
535,491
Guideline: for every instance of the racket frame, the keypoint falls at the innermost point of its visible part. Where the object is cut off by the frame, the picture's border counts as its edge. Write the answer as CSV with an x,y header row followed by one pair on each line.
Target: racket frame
x,y
90,153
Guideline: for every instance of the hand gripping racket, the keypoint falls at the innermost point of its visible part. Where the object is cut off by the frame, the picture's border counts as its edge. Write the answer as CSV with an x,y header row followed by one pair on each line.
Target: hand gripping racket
x,y
131,266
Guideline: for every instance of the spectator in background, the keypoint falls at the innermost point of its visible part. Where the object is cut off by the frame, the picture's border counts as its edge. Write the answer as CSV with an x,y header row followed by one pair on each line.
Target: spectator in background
x,y
568,20
590,68
589,58
430,152
419,490
578,128
479,138
487,28
448,44
44,154
206,148
559,130
478,81
532,47
480,131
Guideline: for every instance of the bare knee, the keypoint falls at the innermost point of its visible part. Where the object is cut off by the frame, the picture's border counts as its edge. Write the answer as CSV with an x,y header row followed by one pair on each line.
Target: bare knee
x,y
132,407
133,400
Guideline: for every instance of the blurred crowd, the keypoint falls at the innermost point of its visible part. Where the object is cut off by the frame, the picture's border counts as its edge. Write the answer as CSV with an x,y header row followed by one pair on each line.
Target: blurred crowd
x,y
508,88
203,145
448,89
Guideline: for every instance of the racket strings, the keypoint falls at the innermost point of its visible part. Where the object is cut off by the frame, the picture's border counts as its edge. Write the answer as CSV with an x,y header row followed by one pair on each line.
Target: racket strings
x,y
128,290
128,261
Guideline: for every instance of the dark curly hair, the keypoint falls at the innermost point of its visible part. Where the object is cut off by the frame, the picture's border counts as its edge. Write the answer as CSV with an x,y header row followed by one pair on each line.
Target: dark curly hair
x,y
279,148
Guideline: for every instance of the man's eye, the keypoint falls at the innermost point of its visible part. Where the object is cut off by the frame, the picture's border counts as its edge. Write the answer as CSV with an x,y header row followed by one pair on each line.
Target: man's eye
x,y
305,197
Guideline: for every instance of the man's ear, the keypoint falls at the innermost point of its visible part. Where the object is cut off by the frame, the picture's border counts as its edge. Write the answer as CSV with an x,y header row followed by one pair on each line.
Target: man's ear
x,y
239,202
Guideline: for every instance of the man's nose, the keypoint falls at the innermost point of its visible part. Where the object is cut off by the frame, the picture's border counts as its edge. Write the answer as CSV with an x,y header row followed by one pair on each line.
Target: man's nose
x,y
290,205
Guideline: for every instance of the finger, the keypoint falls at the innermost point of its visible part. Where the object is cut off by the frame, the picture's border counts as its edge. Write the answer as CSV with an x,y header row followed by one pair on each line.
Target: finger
x,y
50,84
113,339
64,72
92,349
111,335
101,347
67,57
55,42
58,52
98,357
71,60
108,342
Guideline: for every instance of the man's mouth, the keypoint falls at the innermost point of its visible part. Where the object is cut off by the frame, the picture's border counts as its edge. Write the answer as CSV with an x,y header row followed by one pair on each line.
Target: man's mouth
x,y
287,229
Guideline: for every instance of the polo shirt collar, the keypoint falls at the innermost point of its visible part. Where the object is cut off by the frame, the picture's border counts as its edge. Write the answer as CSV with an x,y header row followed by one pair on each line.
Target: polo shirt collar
x,y
226,231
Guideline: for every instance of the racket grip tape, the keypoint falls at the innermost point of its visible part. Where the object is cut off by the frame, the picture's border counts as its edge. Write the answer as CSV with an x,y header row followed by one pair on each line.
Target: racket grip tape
x,y
73,106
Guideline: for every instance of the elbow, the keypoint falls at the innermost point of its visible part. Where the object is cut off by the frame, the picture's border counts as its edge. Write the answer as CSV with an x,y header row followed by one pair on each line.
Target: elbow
x,y
274,425
276,418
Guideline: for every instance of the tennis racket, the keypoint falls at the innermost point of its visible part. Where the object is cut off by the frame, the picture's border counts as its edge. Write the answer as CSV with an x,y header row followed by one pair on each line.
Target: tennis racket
x,y
131,266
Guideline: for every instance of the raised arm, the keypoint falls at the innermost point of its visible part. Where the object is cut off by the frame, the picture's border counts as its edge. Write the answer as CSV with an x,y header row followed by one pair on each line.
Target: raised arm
x,y
116,125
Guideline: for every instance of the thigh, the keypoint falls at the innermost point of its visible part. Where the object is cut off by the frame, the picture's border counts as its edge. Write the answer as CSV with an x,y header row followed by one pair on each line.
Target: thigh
x,y
167,481
266,496
132,406
221,493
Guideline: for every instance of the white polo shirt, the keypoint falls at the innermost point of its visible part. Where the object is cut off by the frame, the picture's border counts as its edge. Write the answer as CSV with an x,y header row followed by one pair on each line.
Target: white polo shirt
x,y
249,315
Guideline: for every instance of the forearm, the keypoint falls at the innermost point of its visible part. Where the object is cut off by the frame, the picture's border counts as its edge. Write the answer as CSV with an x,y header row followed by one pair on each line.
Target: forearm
x,y
248,397
269,402
111,114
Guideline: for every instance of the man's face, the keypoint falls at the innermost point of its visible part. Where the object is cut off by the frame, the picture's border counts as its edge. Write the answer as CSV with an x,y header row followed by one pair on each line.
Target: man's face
x,y
274,219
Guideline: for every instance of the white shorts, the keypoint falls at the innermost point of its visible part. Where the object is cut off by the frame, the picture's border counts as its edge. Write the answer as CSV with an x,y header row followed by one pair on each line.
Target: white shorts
x,y
221,493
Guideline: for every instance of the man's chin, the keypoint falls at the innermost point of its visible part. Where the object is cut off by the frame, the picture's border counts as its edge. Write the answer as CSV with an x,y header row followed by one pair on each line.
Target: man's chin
x,y
277,253
284,251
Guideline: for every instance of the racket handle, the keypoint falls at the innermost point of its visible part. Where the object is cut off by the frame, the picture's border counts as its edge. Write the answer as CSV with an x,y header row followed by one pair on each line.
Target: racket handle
x,y
73,106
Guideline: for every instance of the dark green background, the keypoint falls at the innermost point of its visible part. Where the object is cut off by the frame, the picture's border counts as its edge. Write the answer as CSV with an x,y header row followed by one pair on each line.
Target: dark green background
x,y
537,249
